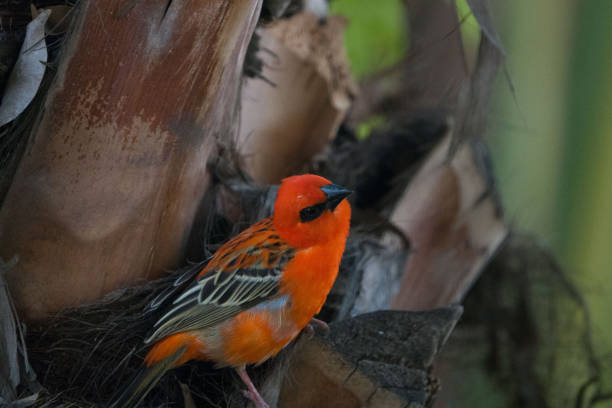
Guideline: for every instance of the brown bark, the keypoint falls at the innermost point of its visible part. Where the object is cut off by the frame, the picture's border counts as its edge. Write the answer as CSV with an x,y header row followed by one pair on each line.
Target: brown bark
x,y
292,114
379,359
451,215
431,74
116,167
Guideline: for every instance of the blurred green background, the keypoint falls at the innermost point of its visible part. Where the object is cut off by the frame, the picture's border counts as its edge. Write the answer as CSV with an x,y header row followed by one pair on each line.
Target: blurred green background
x,y
553,147
552,139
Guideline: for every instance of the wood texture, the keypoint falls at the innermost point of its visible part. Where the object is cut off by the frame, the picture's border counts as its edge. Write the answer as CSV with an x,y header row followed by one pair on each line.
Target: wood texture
x,y
452,217
297,110
376,360
116,167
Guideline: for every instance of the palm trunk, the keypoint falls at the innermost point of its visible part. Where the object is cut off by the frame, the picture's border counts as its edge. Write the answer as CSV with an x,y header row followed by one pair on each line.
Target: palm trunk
x,y
115,167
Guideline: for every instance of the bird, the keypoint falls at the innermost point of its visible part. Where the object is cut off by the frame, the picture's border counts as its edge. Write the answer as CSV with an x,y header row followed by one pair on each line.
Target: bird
x,y
258,291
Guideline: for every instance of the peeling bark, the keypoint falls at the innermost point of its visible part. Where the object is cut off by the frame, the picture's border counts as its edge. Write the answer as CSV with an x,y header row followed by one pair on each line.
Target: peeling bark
x,y
115,169
452,218
296,110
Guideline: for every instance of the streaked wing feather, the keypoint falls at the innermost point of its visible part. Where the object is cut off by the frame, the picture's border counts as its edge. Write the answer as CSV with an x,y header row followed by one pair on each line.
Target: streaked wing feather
x,y
244,272
178,284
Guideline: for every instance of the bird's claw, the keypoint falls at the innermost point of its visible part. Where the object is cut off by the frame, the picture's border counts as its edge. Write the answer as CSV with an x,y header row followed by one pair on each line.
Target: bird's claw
x,y
320,323
315,322
255,398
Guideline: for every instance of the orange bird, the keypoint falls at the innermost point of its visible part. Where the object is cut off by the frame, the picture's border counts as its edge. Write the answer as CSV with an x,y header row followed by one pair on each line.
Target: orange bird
x,y
259,290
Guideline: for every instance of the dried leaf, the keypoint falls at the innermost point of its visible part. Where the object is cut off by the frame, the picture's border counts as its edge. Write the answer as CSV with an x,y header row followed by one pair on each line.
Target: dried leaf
x,y
482,14
451,214
14,366
22,402
28,72
280,132
9,369
187,396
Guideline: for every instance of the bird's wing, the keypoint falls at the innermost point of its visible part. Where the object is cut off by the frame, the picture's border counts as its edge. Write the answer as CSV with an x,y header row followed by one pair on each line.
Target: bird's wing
x,y
242,273
181,280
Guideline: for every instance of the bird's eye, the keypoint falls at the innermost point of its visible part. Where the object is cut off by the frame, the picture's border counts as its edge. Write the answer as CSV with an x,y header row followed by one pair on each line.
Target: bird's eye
x,y
312,212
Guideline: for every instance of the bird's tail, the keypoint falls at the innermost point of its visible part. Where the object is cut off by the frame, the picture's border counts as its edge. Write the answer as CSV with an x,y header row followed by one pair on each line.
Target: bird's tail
x,y
146,379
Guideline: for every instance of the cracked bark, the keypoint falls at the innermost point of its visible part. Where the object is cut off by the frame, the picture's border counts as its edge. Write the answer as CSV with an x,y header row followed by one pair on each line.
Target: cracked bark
x,y
379,359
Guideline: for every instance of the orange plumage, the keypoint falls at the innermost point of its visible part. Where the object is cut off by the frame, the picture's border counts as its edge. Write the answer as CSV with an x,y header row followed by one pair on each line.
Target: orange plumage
x,y
258,291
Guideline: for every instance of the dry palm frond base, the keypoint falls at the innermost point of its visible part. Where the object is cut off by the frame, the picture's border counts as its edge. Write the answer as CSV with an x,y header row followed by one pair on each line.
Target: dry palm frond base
x,y
84,355
534,335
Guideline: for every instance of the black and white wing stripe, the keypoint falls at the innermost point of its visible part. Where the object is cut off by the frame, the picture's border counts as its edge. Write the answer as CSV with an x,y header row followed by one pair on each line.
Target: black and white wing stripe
x,y
237,280
178,284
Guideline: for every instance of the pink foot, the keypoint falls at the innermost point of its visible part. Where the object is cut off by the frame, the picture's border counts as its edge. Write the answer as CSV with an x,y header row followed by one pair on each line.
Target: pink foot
x,y
256,399
309,330
252,392
317,322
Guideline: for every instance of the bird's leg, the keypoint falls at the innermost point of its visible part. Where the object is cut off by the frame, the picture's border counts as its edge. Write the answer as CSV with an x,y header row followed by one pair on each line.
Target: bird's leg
x,y
320,323
251,392
315,322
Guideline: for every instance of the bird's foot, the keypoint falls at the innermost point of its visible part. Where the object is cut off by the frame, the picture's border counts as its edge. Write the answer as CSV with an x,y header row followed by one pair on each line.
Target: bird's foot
x,y
315,322
309,330
251,393
255,398
320,323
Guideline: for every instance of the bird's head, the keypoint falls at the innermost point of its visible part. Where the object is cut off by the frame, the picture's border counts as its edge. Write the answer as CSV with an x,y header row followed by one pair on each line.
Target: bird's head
x,y
310,210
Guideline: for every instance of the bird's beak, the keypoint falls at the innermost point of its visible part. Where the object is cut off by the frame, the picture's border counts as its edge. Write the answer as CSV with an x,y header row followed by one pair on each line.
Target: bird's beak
x,y
335,194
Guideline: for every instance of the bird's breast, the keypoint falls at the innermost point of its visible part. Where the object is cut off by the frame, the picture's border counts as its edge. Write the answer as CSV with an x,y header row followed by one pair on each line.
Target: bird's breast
x,y
308,279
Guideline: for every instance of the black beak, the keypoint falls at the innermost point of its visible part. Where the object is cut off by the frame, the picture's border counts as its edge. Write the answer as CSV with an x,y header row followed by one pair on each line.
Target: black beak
x,y
335,194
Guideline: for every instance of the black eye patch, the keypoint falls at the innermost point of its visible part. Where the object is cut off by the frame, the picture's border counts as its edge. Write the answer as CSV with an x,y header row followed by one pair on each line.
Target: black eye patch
x,y
312,213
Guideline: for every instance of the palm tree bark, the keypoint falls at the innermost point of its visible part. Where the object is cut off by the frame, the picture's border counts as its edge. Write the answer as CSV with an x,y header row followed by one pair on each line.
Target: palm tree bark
x,y
115,167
